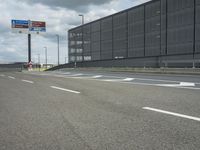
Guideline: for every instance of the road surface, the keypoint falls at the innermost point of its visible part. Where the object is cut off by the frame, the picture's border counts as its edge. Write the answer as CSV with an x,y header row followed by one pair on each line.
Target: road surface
x,y
80,110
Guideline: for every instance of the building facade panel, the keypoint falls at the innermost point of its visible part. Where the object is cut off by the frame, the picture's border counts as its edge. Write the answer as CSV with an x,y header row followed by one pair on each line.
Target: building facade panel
x,y
159,29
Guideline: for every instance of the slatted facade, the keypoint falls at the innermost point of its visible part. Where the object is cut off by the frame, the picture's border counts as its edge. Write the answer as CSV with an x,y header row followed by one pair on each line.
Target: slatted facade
x,y
163,29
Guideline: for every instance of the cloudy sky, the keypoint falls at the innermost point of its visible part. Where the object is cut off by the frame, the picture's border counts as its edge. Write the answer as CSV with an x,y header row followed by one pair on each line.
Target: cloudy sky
x,y
59,15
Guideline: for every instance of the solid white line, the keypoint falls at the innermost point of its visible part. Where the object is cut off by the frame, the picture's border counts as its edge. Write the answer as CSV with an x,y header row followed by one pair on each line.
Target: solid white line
x,y
172,113
11,77
27,81
66,90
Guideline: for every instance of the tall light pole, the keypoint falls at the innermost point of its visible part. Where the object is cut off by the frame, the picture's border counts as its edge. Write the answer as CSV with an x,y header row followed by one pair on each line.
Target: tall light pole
x,y
39,61
81,15
45,56
58,42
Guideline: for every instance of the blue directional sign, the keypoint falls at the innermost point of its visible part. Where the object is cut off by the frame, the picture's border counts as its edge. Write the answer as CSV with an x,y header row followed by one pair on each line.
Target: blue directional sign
x,y
24,24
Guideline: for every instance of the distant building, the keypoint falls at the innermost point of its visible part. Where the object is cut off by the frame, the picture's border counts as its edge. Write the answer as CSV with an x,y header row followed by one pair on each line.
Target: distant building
x,y
155,34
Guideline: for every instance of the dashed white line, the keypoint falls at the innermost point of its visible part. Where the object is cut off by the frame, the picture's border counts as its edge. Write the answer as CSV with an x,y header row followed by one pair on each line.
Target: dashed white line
x,y
11,77
75,75
27,81
187,84
172,113
66,90
98,76
128,79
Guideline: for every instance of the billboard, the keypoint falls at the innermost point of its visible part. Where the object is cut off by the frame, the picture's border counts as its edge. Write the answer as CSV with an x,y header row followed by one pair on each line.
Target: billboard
x,y
27,26
37,27
20,26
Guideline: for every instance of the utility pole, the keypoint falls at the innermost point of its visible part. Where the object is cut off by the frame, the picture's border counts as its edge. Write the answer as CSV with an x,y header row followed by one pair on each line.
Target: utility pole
x,y
58,43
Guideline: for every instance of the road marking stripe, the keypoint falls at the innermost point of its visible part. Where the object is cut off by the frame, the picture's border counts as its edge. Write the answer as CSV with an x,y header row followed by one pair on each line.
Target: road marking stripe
x,y
187,84
66,90
74,75
11,77
172,113
98,76
27,81
128,79
2,75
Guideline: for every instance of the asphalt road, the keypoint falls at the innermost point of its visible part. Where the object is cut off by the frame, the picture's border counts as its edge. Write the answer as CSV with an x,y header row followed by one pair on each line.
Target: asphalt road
x,y
78,110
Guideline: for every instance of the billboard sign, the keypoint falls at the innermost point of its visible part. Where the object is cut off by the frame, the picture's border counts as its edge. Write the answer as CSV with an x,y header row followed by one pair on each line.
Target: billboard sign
x,y
20,26
37,27
27,26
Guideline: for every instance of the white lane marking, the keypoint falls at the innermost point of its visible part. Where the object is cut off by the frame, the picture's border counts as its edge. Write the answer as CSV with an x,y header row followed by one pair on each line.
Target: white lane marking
x,y
111,80
172,113
27,81
187,84
66,90
135,83
182,84
128,79
97,76
74,75
67,73
148,84
2,75
11,77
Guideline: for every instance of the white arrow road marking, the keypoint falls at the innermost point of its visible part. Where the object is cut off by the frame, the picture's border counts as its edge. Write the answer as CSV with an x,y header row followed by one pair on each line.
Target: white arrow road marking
x,y
172,113
11,77
128,79
66,90
98,76
27,81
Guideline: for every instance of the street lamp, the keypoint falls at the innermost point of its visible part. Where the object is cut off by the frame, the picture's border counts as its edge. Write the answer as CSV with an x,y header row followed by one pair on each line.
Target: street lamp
x,y
58,41
39,61
45,56
81,15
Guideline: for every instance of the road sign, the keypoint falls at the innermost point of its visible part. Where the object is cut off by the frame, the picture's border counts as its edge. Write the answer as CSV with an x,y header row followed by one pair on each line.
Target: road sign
x,y
20,26
28,27
37,27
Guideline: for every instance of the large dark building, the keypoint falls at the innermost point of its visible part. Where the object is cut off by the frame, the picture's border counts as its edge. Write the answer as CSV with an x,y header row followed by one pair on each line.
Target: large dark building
x,y
155,34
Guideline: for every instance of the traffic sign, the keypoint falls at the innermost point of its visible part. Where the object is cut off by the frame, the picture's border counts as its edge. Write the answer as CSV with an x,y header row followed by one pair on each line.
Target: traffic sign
x,y
37,27
20,26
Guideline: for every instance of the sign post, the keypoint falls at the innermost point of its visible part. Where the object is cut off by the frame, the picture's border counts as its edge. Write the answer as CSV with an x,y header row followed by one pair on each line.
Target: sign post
x,y
28,27
29,47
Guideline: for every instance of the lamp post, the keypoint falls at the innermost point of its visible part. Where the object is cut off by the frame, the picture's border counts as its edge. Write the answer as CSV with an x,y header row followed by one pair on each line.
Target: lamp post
x,y
58,41
45,56
39,61
81,15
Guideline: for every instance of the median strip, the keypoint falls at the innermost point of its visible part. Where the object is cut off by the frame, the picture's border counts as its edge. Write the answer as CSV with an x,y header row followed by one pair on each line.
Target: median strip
x,y
66,90
172,113
27,81
11,77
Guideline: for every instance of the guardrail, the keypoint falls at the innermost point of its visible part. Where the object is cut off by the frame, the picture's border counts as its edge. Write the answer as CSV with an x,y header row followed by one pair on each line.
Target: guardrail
x,y
11,67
